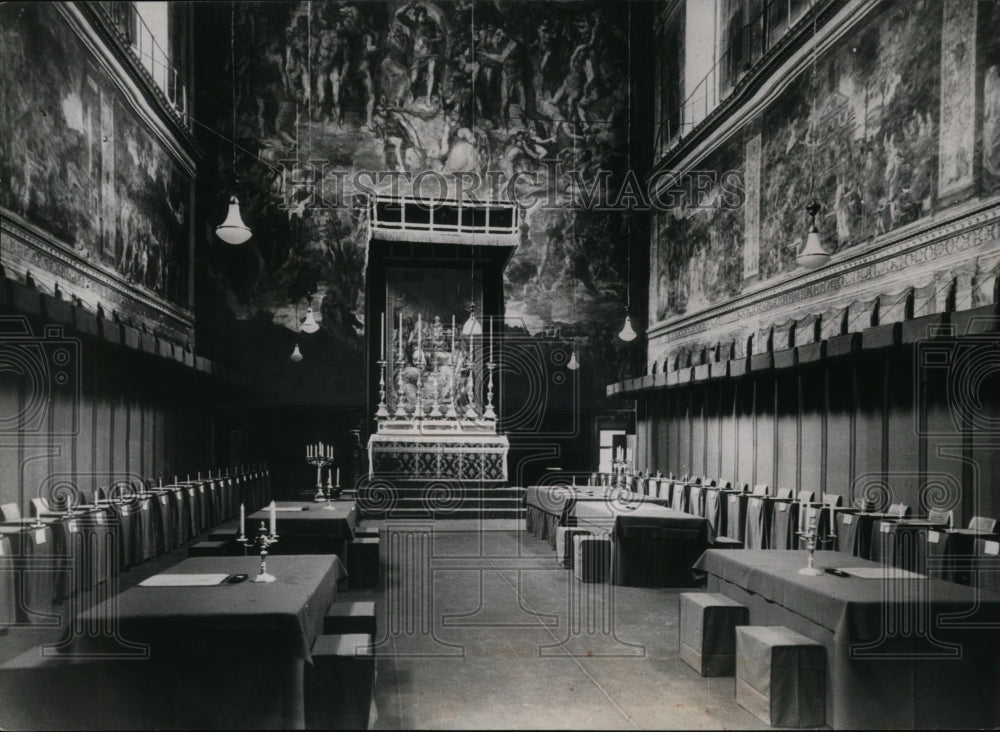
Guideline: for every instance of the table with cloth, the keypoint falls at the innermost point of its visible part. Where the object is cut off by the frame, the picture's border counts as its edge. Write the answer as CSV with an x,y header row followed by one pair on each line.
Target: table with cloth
x,y
550,506
901,653
651,546
784,524
308,528
34,565
735,508
218,656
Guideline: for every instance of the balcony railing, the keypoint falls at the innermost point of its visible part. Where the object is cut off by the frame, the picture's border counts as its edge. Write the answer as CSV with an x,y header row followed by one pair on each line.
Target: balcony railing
x,y
157,62
745,50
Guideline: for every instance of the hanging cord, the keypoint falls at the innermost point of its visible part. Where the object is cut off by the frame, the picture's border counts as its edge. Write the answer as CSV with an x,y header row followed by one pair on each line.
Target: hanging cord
x,y
628,168
232,71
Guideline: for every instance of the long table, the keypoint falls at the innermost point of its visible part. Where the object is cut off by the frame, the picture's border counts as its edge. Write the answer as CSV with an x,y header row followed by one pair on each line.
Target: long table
x,y
901,653
226,655
550,506
652,546
309,528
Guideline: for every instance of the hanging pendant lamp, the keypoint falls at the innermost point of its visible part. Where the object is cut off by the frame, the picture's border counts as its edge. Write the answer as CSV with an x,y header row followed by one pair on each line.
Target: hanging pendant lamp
x,y
573,364
296,354
309,324
813,254
233,230
472,327
627,333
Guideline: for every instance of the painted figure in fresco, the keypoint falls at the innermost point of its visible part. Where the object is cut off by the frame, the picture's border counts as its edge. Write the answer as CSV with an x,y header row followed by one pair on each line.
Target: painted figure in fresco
x,y
296,69
398,135
393,71
426,40
991,121
367,61
333,64
507,55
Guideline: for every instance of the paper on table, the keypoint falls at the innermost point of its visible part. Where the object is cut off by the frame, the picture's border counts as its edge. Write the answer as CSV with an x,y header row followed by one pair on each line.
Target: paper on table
x,y
881,573
183,580
291,508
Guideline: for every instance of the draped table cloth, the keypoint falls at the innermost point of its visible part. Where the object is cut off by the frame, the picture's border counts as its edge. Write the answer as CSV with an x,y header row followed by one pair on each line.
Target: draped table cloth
x,y
309,528
220,656
33,560
652,546
901,652
551,506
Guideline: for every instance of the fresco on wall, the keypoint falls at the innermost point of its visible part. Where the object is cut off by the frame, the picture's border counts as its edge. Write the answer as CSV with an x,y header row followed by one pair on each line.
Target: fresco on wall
x,y
84,168
989,33
861,136
699,245
456,88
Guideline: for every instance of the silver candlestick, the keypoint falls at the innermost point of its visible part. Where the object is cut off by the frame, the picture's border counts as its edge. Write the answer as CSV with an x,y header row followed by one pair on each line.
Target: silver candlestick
x,y
383,409
329,506
320,462
435,390
810,536
262,540
488,412
400,412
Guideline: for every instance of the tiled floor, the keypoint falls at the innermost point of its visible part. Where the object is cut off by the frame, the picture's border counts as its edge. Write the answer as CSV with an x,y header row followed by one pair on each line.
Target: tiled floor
x,y
480,627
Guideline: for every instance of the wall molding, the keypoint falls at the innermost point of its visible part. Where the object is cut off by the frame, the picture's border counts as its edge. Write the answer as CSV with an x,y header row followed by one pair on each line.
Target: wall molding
x,y
46,258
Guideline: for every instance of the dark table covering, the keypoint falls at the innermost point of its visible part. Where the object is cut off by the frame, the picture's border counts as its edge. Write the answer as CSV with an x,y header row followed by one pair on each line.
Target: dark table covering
x,y
551,506
735,506
715,511
901,653
652,546
314,530
35,558
757,532
986,564
951,553
784,525
8,587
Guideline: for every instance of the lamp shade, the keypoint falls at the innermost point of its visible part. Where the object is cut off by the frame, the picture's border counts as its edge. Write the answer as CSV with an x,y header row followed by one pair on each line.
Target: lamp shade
x,y
573,364
813,254
296,354
627,334
233,230
472,327
309,324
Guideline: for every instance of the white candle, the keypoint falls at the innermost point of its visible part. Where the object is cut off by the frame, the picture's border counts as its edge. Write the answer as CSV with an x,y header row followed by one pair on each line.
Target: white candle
x,y
400,333
242,520
381,337
338,476
491,339
274,519
420,325
453,335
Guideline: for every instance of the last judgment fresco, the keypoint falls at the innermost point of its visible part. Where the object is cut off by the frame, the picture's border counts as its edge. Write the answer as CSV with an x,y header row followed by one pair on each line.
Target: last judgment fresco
x,y
329,94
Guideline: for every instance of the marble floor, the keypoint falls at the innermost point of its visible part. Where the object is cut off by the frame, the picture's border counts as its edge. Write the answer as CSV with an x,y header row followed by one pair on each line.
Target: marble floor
x,y
481,628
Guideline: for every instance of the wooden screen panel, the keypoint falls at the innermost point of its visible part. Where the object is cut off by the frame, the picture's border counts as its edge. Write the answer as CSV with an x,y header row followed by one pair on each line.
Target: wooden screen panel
x,y
787,447
729,450
765,432
902,448
871,387
683,423
713,448
745,421
839,424
698,431
812,451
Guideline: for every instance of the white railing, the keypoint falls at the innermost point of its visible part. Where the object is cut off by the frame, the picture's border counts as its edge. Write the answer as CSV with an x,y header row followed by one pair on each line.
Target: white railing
x,y
157,62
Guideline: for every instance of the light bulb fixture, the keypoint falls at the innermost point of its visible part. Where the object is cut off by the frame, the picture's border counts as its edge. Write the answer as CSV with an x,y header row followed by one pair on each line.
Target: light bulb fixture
x,y
296,354
472,326
309,324
233,230
813,254
573,364
627,333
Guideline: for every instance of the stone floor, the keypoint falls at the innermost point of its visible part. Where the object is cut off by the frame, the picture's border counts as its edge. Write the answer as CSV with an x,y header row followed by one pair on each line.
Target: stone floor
x,y
480,628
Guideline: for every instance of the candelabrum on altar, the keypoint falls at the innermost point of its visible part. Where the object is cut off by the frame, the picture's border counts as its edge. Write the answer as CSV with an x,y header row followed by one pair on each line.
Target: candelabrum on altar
x,y
488,411
263,540
383,409
320,462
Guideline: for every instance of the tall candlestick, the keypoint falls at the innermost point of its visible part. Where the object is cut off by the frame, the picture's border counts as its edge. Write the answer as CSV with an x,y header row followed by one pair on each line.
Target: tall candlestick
x,y
381,338
274,520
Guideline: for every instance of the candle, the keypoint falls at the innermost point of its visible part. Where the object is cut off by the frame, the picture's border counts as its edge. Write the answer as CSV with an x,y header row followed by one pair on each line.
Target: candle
x,y
420,325
400,333
338,477
491,339
274,520
242,519
453,334
381,337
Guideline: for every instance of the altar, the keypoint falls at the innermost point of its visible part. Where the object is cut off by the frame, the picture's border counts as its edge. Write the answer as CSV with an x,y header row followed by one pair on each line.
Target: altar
x,y
435,299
